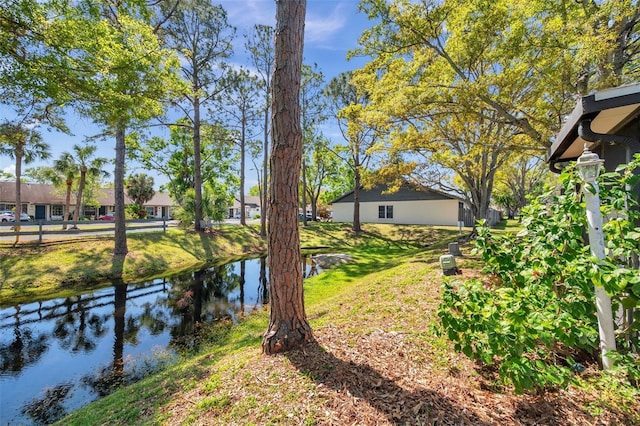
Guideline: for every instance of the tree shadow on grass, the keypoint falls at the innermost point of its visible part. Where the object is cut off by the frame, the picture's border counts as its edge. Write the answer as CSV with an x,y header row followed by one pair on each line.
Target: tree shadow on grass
x,y
398,405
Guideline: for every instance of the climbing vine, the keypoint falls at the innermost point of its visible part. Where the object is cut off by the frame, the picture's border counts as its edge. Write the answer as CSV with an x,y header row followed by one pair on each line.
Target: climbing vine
x,y
532,315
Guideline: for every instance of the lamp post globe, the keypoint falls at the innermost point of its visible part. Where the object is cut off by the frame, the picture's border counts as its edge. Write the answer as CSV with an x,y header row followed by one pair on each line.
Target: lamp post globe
x,y
589,165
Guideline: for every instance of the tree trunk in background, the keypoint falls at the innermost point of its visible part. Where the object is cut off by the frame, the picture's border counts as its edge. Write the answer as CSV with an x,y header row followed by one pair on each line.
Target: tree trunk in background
x,y
67,205
243,135
197,164
357,228
120,248
288,325
17,217
76,213
265,178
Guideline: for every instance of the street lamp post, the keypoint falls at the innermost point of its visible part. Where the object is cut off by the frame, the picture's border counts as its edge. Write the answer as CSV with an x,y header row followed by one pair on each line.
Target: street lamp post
x,y
589,168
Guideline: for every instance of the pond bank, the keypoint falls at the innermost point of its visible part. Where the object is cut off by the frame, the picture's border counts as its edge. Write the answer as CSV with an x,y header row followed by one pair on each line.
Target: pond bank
x,y
31,273
118,334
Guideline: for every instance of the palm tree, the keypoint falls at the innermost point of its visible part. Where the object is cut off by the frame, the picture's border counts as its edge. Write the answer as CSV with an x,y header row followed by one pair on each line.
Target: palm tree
x,y
86,165
67,169
140,189
21,144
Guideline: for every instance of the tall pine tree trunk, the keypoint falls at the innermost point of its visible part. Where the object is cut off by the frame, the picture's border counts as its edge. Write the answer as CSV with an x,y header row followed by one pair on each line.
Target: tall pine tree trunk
x,y
197,161
243,218
265,177
120,248
288,325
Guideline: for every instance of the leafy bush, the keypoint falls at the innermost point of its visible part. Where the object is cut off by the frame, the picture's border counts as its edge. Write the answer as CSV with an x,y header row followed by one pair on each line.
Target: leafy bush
x,y
532,316
135,211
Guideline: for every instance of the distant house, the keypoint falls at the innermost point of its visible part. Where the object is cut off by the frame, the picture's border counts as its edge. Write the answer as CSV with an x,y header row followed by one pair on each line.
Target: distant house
x,y
251,205
160,206
408,205
38,200
608,121
44,202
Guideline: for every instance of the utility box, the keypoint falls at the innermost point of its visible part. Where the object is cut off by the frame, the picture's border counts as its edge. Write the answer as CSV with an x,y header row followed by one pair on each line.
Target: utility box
x,y
448,264
454,249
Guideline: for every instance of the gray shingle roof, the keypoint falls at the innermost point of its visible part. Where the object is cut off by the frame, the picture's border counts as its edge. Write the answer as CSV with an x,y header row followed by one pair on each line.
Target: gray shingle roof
x,y
407,192
39,193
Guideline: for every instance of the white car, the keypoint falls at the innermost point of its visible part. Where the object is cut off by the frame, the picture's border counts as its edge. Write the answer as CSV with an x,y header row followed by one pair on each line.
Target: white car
x,y
8,216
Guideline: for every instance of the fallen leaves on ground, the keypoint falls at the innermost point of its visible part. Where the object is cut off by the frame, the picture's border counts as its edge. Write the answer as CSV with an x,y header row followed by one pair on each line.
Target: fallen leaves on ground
x,y
375,367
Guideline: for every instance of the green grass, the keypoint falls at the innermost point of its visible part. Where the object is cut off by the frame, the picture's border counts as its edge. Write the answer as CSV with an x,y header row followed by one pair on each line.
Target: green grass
x,y
30,273
377,251
391,286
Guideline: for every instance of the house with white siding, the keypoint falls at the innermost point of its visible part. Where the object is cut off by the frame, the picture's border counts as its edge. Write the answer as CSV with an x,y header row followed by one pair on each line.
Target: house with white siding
x,y
251,207
410,205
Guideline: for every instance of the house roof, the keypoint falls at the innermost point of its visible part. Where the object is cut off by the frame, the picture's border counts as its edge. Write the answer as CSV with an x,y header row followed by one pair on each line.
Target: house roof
x,y
407,192
40,193
607,110
251,201
35,193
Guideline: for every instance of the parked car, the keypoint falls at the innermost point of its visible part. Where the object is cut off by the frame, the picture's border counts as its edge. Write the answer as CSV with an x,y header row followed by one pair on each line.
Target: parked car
x,y
108,216
8,216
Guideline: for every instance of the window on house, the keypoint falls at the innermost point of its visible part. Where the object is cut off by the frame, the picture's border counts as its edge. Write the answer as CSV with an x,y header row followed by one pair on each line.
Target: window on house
x,y
56,210
385,212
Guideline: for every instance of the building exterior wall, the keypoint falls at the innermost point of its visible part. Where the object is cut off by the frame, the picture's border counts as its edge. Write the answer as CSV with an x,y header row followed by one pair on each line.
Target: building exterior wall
x,y
342,212
43,202
421,212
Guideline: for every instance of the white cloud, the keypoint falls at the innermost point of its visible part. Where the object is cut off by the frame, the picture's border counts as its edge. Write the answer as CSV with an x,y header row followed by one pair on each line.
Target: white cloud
x,y
11,169
323,24
324,19
244,14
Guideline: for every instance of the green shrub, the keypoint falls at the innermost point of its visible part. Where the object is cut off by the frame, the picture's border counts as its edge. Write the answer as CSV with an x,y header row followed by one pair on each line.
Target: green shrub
x,y
532,316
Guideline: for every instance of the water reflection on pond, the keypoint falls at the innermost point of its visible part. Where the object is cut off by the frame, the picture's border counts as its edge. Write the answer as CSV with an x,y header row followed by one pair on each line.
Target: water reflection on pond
x,y
60,354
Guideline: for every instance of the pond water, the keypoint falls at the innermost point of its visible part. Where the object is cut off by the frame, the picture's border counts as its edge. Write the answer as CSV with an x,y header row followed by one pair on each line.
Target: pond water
x,y
60,354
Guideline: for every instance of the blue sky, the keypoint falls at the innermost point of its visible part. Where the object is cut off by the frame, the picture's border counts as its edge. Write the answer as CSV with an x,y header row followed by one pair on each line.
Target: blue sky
x,y
332,28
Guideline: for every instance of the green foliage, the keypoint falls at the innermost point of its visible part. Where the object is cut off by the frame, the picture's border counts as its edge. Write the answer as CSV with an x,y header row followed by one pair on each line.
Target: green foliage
x,y
532,315
140,189
135,210
216,198
173,158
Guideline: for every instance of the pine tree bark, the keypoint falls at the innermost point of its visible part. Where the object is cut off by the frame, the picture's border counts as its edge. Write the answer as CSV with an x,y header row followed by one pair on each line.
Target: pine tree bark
x,y
288,325
120,247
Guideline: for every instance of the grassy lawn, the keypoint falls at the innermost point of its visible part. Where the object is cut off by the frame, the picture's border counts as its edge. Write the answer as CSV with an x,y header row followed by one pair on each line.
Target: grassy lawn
x,y
376,359
29,273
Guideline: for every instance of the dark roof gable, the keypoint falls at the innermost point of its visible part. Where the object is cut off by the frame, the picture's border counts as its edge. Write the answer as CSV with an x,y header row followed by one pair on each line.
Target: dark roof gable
x,y
407,192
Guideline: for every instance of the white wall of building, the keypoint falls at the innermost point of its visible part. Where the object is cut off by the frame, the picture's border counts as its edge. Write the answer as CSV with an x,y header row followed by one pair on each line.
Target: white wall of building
x,y
423,212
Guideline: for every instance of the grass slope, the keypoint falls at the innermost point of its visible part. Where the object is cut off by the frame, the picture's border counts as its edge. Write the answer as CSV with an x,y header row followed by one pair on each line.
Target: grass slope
x,y
376,360
30,273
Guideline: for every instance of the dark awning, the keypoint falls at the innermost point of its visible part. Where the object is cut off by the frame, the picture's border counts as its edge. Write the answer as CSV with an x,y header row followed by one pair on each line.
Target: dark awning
x,y
609,110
